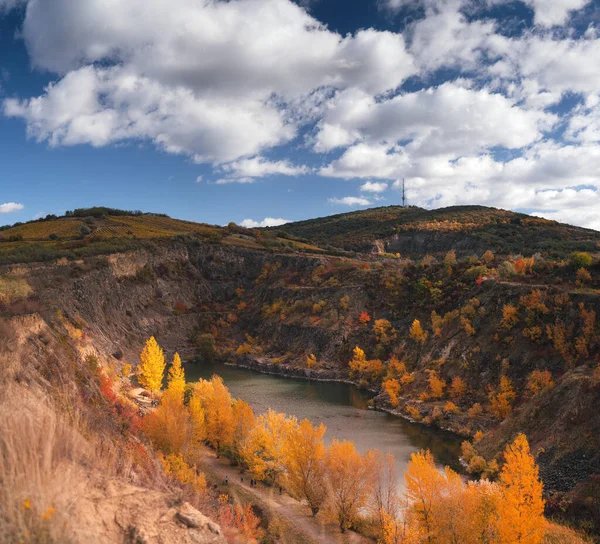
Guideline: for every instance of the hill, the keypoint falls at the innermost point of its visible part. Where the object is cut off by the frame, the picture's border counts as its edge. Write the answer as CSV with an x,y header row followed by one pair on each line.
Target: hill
x,y
467,229
96,231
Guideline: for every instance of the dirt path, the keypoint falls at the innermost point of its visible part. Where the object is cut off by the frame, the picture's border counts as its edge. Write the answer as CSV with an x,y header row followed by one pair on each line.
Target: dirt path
x,y
295,512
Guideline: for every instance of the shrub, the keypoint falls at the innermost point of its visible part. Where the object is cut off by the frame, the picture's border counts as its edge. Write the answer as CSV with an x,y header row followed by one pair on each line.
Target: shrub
x,y
580,259
53,236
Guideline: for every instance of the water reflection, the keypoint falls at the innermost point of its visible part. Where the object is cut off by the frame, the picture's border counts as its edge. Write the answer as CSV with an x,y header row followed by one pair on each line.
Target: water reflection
x,y
341,407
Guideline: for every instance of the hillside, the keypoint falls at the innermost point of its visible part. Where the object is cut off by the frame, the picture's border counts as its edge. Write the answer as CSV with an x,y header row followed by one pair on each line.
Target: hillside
x,y
467,229
98,231
485,345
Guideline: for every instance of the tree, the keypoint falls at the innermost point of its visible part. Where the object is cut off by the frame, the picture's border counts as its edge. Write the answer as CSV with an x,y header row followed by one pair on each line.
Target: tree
x,y
384,331
510,316
580,259
391,387
487,257
265,453
350,479
423,490
197,420
304,455
243,422
417,333
176,379
384,500
521,506
539,381
458,388
450,258
364,318
217,405
436,385
152,366
502,399
166,426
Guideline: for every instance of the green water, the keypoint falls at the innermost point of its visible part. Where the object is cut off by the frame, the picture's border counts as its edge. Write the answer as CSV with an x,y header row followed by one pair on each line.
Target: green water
x,y
341,407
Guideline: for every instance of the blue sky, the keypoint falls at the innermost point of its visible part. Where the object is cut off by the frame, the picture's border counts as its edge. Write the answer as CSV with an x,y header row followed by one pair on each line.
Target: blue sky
x,y
254,109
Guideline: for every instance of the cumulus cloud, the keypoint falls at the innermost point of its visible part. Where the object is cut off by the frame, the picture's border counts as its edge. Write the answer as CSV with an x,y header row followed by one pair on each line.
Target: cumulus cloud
x,y
374,187
246,170
266,222
351,201
214,80
9,207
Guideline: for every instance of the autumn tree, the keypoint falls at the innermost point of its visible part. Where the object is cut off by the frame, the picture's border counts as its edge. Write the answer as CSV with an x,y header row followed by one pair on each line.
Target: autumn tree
x,y
510,316
360,367
501,399
304,459
152,367
384,331
391,387
265,453
218,411
167,425
521,506
197,420
176,379
458,388
423,489
364,318
350,478
450,258
487,257
243,423
436,385
539,381
417,333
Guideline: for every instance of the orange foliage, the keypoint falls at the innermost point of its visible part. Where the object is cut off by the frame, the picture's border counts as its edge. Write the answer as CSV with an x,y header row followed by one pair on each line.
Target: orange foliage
x,y
538,382
510,317
364,318
391,387
417,333
501,400
436,385
458,388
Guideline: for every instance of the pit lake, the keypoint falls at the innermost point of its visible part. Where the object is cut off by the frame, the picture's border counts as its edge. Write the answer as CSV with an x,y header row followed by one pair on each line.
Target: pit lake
x,y
341,407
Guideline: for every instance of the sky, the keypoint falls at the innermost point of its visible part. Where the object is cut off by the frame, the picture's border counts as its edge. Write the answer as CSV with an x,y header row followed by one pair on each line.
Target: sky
x,y
265,111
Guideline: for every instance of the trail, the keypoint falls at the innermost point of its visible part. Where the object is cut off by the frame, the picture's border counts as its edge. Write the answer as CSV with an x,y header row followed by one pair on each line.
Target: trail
x,y
295,512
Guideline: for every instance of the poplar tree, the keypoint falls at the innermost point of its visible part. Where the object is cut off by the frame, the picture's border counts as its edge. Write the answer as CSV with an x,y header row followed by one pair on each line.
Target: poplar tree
x,y
152,366
176,379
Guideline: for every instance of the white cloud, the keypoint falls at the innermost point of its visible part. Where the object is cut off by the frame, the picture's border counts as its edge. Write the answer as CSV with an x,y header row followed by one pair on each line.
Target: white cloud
x,y
446,119
247,170
373,187
266,222
351,201
9,207
199,179
554,12
217,81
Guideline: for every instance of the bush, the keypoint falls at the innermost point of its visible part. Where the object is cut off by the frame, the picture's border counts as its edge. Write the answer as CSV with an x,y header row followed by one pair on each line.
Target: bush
x,y
53,236
580,259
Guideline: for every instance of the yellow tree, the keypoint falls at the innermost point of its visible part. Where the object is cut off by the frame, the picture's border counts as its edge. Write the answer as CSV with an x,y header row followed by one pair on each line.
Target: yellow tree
x,y
350,478
501,400
424,486
392,388
265,454
417,333
197,420
521,506
218,411
176,379
304,463
166,426
152,366
243,423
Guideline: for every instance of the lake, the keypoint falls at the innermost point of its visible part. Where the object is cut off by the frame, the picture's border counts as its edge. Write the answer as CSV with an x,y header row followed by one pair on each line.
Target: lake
x,y
341,407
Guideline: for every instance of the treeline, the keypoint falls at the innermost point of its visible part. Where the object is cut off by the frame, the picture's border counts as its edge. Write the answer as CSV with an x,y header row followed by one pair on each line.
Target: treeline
x,y
358,491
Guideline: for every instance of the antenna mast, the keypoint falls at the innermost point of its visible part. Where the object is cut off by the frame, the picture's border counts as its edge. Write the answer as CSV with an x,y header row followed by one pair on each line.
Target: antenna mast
x,y
403,194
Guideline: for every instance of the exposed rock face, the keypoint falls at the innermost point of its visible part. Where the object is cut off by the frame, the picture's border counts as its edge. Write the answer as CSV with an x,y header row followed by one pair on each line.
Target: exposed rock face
x,y
124,513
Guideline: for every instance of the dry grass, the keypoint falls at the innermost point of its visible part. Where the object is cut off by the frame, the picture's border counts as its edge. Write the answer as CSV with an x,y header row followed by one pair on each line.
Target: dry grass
x,y
559,534
42,459
13,288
